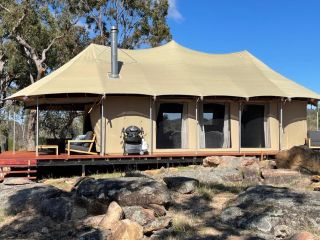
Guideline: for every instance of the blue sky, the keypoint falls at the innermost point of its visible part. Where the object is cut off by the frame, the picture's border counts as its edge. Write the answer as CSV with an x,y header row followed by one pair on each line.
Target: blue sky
x,y
285,34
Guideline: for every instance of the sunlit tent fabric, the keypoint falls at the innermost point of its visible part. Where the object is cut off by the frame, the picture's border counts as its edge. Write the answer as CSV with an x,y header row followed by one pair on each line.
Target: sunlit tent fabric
x,y
167,70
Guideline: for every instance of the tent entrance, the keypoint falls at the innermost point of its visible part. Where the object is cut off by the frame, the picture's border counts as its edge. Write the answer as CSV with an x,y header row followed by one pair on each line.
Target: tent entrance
x,y
252,126
169,125
213,125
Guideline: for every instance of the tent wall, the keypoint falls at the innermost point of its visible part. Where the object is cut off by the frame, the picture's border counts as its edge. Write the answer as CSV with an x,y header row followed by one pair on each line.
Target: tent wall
x,y
273,121
294,123
123,111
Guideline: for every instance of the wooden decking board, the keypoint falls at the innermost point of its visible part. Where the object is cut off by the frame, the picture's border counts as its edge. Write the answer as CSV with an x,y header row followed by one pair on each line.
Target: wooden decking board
x,y
27,160
20,157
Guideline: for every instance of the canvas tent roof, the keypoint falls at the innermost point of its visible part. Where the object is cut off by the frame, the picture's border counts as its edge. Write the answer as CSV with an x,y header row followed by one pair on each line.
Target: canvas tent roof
x,y
167,70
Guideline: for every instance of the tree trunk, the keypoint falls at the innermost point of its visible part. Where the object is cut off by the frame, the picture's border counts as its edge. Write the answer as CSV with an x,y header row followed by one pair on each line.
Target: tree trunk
x,y
30,130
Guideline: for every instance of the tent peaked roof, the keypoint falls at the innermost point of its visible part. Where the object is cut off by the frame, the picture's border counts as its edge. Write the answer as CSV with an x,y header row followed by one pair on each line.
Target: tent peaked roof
x,y
170,69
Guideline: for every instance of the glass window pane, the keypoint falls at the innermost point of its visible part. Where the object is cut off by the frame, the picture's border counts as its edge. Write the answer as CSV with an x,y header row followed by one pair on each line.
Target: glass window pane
x,y
169,123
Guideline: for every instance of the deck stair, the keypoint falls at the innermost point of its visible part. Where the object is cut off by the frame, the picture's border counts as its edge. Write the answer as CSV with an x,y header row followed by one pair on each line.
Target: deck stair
x,y
18,168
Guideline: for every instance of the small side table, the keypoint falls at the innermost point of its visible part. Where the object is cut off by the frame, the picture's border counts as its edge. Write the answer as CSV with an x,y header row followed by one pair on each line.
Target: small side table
x,y
47,147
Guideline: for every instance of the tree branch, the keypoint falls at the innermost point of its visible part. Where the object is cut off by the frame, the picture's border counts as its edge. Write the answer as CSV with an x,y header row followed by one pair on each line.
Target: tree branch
x,y
44,52
13,31
4,8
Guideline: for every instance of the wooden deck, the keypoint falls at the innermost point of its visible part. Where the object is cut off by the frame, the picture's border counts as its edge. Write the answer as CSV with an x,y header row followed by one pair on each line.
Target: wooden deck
x,y
27,162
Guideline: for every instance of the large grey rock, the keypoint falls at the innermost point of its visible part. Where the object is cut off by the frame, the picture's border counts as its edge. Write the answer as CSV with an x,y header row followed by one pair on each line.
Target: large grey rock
x,y
251,173
264,208
207,175
182,185
139,214
281,176
133,191
17,198
59,209
93,206
158,224
159,210
222,161
228,174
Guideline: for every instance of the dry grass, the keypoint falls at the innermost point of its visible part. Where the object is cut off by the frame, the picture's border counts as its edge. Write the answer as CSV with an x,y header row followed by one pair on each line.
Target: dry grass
x,y
61,183
208,191
66,184
184,226
107,175
3,216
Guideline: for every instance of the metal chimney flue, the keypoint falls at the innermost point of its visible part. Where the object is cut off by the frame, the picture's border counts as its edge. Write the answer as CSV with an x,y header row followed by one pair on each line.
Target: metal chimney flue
x,y
114,53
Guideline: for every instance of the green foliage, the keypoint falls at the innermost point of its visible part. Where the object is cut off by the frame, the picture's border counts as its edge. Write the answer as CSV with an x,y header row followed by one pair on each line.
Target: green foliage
x,y
140,22
37,37
60,124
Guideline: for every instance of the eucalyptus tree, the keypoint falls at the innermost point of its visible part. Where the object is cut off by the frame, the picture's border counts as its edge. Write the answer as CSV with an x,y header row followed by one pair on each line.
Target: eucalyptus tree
x,y
38,36
45,34
140,22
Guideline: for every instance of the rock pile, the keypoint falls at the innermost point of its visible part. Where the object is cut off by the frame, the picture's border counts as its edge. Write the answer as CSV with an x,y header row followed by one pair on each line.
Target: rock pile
x,y
136,206
299,158
251,171
108,209
182,185
275,213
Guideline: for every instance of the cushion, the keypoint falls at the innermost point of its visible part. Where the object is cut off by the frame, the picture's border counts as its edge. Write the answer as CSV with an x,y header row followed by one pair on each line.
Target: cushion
x,y
88,136
77,147
79,137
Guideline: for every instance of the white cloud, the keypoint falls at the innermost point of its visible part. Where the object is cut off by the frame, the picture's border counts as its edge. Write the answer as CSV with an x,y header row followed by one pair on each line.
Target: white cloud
x,y
174,12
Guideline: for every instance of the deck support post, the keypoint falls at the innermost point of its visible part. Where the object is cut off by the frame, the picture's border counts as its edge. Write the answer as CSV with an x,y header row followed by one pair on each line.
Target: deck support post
x,y
83,170
281,125
240,116
102,128
37,127
14,128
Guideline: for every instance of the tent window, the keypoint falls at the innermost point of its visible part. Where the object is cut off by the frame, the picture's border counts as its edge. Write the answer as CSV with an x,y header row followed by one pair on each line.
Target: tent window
x,y
213,124
169,126
253,126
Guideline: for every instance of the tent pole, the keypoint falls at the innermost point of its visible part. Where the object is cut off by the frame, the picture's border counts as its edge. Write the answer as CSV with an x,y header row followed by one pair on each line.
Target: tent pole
x,y
102,129
14,128
37,127
317,116
240,116
281,125
151,124
197,127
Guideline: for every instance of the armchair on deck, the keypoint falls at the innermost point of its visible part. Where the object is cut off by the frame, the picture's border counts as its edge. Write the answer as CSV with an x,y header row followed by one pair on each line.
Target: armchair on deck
x,y
313,140
82,144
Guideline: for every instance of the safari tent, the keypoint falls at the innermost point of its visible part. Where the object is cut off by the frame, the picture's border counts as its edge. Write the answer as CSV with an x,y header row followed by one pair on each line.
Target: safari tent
x,y
183,99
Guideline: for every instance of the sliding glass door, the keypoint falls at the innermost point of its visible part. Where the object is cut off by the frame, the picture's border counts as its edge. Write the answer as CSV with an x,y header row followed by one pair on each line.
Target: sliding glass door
x,y
214,126
169,126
